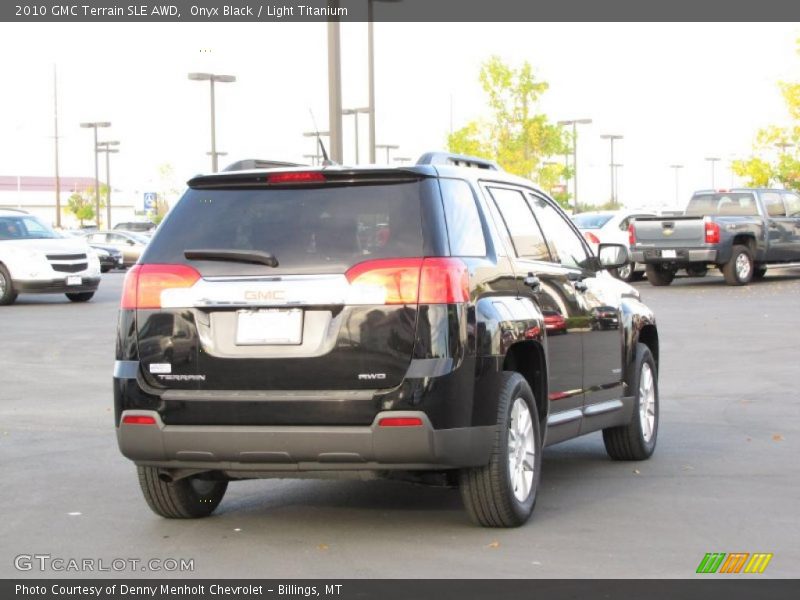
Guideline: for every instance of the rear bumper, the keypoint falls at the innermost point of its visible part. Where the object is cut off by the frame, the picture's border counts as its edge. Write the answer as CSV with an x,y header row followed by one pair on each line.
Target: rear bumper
x,y
304,448
57,286
682,255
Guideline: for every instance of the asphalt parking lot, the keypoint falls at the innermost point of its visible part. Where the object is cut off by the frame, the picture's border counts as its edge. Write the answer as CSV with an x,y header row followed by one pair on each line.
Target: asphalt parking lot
x,y
724,477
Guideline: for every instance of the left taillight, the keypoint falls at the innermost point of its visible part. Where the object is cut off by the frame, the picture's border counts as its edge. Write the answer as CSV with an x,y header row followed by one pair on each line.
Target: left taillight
x,y
591,238
138,420
631,235
144,283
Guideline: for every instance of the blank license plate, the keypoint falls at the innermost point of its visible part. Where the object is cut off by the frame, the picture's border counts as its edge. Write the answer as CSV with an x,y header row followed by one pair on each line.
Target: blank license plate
x,y
269,327
668,254
74,280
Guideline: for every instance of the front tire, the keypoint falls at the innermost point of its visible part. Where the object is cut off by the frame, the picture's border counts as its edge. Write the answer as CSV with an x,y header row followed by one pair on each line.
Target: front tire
x,y
659,275
79,296
503,492
740,268
7,293
187,498
637,439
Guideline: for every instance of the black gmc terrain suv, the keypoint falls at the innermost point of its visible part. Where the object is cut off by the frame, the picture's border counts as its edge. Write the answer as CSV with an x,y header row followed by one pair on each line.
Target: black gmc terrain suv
x,y
389,321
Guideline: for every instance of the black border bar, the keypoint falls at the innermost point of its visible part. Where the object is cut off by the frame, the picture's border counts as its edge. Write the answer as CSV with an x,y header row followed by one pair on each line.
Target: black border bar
x,y
443,11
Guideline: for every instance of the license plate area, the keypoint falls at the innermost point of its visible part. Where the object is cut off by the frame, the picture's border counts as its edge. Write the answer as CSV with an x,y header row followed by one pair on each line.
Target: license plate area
x,y
269,327
74,280
669,254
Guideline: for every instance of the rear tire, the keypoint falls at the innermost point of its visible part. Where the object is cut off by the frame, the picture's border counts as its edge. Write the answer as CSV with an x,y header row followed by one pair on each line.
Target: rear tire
x,y
740,268
637,439
188,498
503,492
658,275
7,293
79,296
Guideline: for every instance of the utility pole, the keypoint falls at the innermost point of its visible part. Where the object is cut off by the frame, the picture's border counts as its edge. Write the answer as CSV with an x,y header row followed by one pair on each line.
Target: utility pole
x,y
335,88
55,144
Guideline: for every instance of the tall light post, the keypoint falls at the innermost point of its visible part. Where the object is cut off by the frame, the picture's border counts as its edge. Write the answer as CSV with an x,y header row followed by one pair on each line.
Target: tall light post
x,y
616,167
712,160
212,79
335,87
388,148
677,169
55,143
355,112
611,137
401,160
106,147
94,125
574,123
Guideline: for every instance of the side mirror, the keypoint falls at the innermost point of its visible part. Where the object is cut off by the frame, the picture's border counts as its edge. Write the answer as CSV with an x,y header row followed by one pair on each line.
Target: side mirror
x,y
613,256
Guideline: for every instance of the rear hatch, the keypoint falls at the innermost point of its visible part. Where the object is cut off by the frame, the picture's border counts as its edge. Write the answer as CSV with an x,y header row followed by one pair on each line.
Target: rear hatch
x,y
284,282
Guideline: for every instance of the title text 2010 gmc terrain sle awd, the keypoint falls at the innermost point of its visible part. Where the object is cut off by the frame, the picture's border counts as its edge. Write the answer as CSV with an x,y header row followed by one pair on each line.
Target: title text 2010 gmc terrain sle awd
x,y
388,321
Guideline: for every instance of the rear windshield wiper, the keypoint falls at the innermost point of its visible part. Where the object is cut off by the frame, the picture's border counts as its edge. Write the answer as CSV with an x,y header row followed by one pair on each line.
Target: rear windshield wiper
x,y
246,256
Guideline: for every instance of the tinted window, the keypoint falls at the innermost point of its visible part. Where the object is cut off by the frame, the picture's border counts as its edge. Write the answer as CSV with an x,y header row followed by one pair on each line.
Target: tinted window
x,y
591,220
525,233
319,230
463,222
24,227
792,204
742,204
773,203
565,244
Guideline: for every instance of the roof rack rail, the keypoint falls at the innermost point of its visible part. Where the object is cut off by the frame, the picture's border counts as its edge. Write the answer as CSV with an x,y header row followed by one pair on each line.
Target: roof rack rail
x,y
458,160
256,163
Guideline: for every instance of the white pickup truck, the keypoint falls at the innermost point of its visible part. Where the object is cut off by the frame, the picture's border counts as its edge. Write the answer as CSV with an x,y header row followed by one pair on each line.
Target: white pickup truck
x,y
34,259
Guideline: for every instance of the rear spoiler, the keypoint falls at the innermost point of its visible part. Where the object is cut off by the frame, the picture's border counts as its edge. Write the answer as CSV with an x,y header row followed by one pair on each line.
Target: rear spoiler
x,y
259,179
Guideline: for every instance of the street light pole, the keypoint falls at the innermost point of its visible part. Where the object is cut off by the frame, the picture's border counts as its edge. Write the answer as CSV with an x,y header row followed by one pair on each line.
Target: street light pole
x,y
212,79
611,137
55,140
574,123
106,147
712,160
677,169
387,147
335,89
355,112
94,125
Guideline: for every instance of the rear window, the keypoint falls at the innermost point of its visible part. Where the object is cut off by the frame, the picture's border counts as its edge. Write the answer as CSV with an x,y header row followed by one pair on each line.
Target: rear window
x,y
590,221
308,230
722,204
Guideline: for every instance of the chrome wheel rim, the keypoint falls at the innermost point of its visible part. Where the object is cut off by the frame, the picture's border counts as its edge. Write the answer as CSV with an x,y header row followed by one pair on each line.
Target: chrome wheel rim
x,y
625,271
647,402
742,266
3,285
521,452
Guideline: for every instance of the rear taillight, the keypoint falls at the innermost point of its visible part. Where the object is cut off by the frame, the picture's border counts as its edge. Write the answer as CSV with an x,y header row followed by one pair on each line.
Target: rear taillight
x,y
590,237
296,177
631,235
400,422
144,284
409,281
138,420
712,233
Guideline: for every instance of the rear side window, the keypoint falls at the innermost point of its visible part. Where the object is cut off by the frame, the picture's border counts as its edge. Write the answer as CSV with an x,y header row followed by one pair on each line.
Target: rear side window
x,y
525,233
722,204
774,204
309,230
463,221
565,244
792,204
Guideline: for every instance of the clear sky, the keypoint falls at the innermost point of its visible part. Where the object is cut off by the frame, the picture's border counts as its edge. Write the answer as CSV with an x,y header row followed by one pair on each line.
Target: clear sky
x,y
677,92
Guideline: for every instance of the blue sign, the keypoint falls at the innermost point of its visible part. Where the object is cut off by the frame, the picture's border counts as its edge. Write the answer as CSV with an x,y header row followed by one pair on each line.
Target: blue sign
x,y
150,199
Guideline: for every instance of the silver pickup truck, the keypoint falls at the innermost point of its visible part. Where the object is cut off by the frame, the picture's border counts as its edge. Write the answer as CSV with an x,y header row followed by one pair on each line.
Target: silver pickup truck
x,y
739,231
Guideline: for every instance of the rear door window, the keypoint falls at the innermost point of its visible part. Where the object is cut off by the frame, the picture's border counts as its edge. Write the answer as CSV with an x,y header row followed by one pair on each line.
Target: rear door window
x,y
792,204
773,203
526,236
463,221
325,229
566,245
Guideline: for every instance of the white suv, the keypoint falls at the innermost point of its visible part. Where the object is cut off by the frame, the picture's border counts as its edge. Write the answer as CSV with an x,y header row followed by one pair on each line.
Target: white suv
x,y
34,259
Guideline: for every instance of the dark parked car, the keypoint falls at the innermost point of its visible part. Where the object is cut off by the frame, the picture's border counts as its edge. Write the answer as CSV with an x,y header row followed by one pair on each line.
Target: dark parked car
x,y
314,321
740,231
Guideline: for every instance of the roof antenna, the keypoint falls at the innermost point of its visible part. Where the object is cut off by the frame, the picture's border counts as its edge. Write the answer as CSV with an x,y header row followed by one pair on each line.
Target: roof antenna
x,y
326,162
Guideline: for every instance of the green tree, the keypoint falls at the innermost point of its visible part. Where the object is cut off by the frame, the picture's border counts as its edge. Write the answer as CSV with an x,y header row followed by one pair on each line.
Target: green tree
x,y
515,134
81,204
775,156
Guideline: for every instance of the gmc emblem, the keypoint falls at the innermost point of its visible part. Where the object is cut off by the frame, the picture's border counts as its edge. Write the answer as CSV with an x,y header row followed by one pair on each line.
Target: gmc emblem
x,y
256,295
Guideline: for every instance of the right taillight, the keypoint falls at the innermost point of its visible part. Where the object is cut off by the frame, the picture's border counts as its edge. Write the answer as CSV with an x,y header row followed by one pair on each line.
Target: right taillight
x,y
712,233
144,284
409,281
631,235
